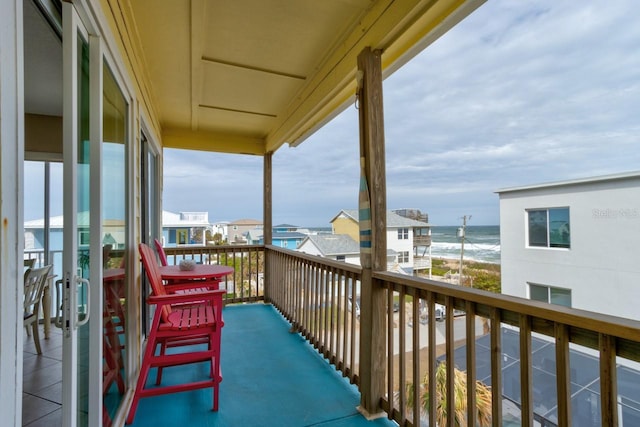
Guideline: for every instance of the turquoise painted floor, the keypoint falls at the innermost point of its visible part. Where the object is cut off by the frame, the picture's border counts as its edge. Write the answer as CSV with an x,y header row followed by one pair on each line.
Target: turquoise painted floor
x,y
270,378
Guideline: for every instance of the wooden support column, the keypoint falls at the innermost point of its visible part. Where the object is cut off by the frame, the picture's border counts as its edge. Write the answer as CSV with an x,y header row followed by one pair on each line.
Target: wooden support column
x,y
372,306
267,214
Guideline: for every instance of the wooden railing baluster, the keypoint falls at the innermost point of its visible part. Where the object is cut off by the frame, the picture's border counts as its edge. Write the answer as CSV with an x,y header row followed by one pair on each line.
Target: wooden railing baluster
x,y
526,372
563,374
319,298
608,381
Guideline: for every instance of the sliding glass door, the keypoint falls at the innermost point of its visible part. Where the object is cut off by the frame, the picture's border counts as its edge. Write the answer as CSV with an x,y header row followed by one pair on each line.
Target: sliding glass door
x,y
114,242
77,210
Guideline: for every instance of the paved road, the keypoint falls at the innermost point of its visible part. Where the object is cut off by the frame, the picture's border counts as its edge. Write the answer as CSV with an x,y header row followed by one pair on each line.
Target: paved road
x,y
459,331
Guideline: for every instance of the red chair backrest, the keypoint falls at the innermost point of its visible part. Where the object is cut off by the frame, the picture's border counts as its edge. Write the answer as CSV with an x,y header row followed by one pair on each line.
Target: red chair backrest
x,y
161,254
153,274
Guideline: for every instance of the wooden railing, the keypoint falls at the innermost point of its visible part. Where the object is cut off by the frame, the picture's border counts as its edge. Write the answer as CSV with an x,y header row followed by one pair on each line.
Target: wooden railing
x,y
246,284
499,333
319,298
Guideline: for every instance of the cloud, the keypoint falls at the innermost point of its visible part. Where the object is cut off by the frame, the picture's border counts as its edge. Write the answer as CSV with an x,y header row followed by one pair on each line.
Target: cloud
x,y
520,92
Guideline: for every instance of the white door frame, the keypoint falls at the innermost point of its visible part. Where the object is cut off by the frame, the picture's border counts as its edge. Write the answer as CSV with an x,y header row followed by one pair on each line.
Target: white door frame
x,y
72,25
11,208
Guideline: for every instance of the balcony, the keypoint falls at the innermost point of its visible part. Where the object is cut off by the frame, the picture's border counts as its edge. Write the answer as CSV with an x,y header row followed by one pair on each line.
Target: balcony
x,y
421,240
421,263
506,337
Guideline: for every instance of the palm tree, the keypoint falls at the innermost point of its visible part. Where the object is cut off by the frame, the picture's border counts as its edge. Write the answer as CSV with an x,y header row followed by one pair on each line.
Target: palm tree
x,y
483,398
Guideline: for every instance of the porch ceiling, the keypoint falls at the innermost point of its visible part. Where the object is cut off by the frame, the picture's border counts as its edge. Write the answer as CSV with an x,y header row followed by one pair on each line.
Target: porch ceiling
x,y
247,76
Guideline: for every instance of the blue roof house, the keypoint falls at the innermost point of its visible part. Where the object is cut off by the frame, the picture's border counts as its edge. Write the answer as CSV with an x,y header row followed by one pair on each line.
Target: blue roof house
x,y
288,239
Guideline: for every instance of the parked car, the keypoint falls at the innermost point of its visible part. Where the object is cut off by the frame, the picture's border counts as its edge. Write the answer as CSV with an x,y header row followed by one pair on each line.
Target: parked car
x,y
440,312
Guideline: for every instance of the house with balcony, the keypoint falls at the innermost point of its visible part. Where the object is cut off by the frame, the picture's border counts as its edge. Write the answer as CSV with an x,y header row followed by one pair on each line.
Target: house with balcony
x,y
408,237
98,89
561,241
185,228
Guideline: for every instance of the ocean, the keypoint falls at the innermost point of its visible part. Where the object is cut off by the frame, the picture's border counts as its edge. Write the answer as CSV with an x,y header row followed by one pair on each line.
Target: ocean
x,y
482,243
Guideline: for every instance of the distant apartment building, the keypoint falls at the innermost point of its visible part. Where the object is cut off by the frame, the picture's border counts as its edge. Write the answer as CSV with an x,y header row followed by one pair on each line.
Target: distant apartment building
x,y
574,243
408,238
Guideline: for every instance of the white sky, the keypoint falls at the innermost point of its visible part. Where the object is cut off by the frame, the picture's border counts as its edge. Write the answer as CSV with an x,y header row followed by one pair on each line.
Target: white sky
x,y
521,92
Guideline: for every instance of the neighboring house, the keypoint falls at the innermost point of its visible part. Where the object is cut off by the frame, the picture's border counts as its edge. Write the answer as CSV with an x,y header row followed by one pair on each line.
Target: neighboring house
x,y
288,239
412,253
339,247
284,228
184,228
177,229
255,236
287,236
237,230
342,247
112,233
574,243
221,228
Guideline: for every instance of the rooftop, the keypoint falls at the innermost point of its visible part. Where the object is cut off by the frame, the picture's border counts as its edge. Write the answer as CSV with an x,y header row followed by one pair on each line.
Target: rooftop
x,y
334,244
573,182
393,219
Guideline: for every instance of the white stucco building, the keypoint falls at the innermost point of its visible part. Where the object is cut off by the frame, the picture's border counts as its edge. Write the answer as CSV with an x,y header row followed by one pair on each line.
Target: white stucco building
x,y
574,243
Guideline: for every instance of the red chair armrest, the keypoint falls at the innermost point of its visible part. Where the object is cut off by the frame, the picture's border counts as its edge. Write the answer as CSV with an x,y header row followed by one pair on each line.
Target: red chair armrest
x,y
195,297
193,284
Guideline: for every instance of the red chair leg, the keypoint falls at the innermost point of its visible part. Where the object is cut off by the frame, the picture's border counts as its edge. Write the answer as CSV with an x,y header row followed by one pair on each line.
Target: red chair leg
x,y
142,379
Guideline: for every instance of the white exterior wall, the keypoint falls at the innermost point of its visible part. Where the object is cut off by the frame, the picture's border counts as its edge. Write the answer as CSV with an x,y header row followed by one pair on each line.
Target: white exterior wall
x,y
401,245
602,267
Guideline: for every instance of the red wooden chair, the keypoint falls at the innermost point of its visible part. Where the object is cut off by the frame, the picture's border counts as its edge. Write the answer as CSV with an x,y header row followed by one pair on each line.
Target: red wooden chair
x,y
180,320
160,251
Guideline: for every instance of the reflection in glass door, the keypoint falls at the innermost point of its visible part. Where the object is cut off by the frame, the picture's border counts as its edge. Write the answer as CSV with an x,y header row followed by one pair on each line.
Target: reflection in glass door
x,y
150,210
114,243
76,212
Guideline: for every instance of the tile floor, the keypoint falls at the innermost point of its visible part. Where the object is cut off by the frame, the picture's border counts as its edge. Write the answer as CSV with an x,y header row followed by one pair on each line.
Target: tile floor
x,y
42,381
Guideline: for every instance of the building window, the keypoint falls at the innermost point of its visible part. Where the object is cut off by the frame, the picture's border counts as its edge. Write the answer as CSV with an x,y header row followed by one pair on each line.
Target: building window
x,y
403,257
549,228
403,233
550,294
340,258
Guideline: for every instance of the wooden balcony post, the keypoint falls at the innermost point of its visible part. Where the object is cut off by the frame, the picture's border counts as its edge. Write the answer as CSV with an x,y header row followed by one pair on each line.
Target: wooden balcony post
x,y
267,218
372,155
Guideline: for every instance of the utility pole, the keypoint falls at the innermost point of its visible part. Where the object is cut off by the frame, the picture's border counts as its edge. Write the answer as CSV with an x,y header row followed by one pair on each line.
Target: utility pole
x,y
461,234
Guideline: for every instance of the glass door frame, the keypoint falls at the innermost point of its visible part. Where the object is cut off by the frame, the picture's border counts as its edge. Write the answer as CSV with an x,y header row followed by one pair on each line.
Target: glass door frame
x,y
150,212
73,29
